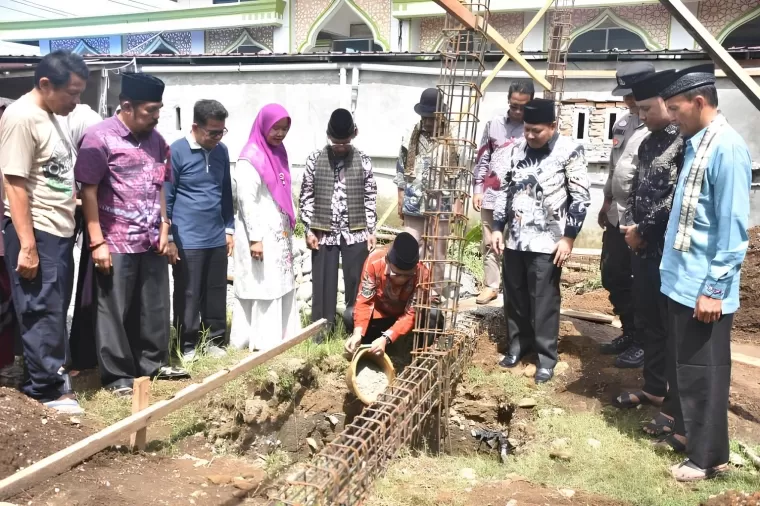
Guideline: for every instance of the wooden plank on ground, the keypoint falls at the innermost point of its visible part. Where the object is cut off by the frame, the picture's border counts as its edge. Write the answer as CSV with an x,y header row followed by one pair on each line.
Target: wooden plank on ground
x,y
76,453
140,401
586,315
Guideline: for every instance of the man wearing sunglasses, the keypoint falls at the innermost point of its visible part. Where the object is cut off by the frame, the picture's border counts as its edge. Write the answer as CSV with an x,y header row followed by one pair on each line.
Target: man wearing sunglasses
x,y
199,206
498,132
384,309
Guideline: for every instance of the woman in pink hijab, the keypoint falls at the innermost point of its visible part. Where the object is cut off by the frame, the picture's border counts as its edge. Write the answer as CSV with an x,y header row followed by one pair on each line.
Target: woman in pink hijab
x,y
264,312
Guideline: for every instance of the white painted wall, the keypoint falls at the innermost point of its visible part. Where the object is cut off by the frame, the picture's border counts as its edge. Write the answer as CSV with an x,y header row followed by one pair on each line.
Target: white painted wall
x,y
679,37
340,22
535,39
384,113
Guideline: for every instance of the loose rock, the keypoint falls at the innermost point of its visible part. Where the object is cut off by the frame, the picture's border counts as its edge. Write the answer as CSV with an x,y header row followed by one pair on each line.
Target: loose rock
x,y
527,402
560,455
219,479
567,492
529,371
593,443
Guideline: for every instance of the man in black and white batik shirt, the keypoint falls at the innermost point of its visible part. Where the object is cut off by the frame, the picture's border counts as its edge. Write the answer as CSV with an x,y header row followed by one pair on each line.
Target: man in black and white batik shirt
x,y
541,208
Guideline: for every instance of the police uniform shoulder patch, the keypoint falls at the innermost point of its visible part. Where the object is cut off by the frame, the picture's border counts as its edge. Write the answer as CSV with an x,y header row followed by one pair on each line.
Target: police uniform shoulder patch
x,y
622,123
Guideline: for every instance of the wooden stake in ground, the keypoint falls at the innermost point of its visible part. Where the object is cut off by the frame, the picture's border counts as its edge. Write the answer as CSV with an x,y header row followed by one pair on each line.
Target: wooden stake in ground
x,y
140,401
113,434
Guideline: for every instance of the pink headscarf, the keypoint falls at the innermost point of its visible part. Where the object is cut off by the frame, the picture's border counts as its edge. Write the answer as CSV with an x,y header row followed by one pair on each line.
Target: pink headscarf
x,y
271,162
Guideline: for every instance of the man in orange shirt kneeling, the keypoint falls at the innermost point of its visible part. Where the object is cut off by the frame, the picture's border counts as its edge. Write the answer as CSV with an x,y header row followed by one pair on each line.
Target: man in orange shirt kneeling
x,y
384,309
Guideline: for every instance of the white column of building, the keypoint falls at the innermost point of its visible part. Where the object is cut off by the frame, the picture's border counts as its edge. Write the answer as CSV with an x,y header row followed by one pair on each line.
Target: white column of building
x,y
679,37
401,39
282,36
535,39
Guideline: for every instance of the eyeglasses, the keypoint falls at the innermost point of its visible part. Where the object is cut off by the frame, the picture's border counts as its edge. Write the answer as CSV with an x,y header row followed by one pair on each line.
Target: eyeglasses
x,y
215,134
395,274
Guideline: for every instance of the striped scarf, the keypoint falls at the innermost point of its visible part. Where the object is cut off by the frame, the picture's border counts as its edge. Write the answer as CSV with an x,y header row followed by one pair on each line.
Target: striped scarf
x,y
693,184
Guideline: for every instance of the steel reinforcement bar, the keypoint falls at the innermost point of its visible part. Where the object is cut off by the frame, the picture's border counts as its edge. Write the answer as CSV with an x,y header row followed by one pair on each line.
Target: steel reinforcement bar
x,y
343,472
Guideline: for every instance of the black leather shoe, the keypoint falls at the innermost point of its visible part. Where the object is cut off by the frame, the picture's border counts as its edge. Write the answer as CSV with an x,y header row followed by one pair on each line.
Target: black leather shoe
x,y
631,358
509,361
543,375
617,345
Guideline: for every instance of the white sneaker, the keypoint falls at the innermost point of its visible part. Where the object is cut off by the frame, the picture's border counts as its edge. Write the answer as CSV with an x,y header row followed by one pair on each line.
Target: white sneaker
x,y
215,351
189,356
66,406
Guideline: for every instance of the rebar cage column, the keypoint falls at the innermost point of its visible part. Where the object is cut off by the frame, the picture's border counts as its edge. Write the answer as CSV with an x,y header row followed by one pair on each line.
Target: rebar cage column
x,y
448,180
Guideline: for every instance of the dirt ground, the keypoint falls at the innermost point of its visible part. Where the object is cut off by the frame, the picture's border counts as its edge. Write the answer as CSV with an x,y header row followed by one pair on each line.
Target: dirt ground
x,y
30,432
232,461
746,321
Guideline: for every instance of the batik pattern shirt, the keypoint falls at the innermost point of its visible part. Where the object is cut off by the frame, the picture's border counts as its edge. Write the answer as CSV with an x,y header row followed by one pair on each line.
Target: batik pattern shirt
x,y
545,193
339,227
130,174
379,298
659,160
414,188
497,133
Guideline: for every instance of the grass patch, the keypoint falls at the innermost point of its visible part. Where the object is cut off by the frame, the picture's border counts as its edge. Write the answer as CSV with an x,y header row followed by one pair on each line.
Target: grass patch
x,y
623,467
105,409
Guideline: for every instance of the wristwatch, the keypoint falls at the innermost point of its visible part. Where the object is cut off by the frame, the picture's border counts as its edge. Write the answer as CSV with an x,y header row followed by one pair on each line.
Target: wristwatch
x,y
166,220
388,340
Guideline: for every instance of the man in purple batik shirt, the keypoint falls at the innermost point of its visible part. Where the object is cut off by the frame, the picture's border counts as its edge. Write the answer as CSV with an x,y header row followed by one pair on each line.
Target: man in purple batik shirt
x,y
122,166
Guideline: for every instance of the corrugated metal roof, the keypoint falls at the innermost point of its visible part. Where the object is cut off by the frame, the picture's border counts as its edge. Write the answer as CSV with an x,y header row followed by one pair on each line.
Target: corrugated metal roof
x,y
252,58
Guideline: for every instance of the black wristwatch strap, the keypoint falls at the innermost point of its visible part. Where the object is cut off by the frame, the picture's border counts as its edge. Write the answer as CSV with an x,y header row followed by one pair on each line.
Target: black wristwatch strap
x,y
388,340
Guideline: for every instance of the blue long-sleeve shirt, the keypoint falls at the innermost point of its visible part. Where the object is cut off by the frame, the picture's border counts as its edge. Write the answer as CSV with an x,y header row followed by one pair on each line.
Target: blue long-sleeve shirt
x,y
199,201
719,240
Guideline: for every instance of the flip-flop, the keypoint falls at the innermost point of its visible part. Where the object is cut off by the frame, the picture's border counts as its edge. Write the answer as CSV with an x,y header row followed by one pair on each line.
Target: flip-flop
x,y
169,372
121,391
688,471
669,443
660,426
626,401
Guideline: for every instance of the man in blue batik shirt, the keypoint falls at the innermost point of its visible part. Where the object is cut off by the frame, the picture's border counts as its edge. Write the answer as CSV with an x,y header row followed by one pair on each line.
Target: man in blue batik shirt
x,y
199,205
705,244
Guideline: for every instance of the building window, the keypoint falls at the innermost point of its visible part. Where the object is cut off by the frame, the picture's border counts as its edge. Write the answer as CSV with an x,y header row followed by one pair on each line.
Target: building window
x,y
746,35
612,115
580,124
606,39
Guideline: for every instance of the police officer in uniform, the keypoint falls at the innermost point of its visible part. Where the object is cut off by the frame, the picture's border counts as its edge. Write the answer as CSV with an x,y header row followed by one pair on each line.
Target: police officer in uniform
x,y
628,132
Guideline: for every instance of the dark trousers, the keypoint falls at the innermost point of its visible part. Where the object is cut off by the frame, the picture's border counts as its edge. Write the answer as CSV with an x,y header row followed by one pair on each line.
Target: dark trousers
x,y
531,304
200,296
83,355
651,316
7,318
379,325
325,277
41,306
699,377
132,323
616,276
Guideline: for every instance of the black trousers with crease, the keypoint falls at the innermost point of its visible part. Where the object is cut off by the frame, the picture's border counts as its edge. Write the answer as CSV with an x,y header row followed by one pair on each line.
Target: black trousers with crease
x,y
324,267
132,322
617,276
699,378
651,317
532,304
200,296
